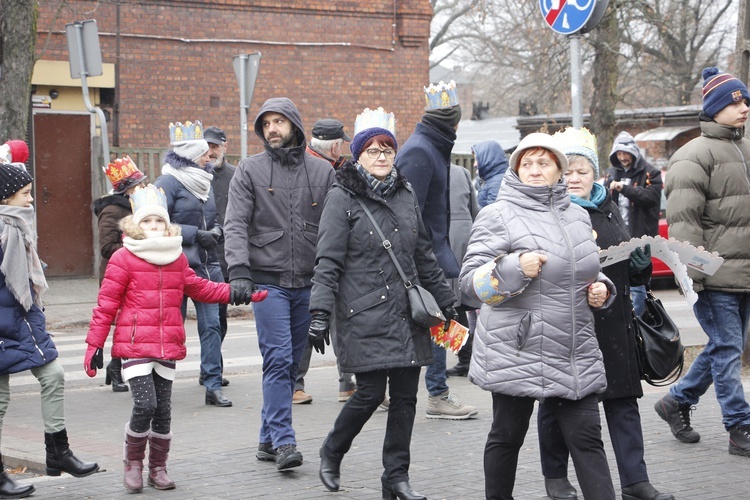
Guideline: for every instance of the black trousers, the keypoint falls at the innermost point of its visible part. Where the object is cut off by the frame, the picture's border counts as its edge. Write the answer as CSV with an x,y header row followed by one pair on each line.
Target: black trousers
x,y
403,384
581,428
624,422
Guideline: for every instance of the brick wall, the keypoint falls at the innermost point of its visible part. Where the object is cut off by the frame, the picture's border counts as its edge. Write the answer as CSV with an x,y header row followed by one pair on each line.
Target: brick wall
x,y
331,58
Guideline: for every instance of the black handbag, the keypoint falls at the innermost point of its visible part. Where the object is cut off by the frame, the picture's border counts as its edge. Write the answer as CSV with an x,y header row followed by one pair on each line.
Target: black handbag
x,y
424,308
660,351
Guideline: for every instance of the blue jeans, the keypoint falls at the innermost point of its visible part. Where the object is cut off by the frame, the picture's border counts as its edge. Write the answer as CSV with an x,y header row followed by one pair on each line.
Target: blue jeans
x,y
282,321
638,296
209,333
724,317
434,376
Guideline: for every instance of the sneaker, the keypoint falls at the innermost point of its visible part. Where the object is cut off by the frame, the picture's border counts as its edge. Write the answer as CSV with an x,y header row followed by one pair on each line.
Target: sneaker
x,y
678,417
739,440
345,395
385,405
448,406
265,452
300,397
287,457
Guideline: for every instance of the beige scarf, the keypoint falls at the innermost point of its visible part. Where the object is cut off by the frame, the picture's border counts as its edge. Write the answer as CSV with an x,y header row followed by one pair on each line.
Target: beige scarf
x,y
21,265
159,251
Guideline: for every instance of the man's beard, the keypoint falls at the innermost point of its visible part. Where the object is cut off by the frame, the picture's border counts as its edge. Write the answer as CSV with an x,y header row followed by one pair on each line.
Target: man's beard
x,y
285,142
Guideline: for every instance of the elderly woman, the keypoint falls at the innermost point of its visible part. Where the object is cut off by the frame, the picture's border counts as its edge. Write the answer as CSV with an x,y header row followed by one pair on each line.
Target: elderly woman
x,y
356,281
533,262
613,330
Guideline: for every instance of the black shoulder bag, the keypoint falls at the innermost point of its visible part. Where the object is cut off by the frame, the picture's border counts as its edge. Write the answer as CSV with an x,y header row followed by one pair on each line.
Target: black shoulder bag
x,y
660,351
424,308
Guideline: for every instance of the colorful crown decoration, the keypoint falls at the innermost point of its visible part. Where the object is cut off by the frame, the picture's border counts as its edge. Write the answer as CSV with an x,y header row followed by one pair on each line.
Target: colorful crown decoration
x,y
576,137
146,196
188,131
441,96
370,118
120,169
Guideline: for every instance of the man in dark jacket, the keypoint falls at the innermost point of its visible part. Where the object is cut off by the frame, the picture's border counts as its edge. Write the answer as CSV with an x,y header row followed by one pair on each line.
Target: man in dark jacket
x,y
275,201
635,186
425,161
223,172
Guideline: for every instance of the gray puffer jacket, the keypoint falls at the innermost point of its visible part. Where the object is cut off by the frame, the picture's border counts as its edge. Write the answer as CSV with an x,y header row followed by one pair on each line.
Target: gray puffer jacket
x,y
539,341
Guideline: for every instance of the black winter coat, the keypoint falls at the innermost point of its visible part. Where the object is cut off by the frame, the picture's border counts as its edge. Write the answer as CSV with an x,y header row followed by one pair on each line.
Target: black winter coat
x,y
644,193
109,210
222,177
356,280
614,327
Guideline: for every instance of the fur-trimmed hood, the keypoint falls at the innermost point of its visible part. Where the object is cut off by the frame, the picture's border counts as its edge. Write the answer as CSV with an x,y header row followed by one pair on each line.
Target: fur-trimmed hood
x,y
349,178
178,161
133,230
119,200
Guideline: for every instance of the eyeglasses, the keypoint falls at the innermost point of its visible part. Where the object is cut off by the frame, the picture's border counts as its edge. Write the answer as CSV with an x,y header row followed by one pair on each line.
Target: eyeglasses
x,y
374,154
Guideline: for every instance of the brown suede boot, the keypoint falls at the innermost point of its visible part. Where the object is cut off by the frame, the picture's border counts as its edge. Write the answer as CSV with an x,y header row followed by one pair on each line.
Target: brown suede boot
x,y
158,452
134,453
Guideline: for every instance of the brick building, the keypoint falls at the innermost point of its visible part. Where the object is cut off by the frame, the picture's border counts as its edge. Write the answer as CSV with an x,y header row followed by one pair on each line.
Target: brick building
x,y
172,60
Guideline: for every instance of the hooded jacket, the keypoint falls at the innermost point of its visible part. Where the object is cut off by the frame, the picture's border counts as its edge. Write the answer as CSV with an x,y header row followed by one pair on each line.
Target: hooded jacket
x,y
644,190
356,280
110,210
708,203
540,341
275,202
491,166
464,210
144,302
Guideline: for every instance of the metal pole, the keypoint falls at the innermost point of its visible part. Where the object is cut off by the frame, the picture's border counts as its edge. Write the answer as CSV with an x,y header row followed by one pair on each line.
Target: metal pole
x,y
85,89
575,79
243,107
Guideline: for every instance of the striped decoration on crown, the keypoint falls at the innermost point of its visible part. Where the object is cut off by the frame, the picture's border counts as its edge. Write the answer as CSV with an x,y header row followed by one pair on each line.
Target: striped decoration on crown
x,y
370,118
441,96
187,131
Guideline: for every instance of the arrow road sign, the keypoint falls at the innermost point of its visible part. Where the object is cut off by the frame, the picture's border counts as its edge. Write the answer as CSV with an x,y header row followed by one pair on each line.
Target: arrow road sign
x,y
566,16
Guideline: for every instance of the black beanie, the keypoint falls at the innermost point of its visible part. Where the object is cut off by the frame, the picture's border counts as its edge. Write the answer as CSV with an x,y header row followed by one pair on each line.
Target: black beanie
x,y
12,179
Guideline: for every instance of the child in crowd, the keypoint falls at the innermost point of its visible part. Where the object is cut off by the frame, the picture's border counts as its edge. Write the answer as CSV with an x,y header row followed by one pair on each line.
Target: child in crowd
x,y
142,292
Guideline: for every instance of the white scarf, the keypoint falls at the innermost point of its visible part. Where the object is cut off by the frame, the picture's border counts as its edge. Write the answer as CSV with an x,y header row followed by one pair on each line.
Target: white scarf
x,y
195,180
21,264
157,251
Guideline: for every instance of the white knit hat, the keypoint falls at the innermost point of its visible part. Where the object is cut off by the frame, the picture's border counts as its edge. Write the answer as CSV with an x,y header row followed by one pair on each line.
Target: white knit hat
x,y
192,149
539,140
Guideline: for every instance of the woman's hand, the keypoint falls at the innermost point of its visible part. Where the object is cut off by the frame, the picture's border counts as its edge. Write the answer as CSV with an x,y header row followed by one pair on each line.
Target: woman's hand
x,y
531,263
598,294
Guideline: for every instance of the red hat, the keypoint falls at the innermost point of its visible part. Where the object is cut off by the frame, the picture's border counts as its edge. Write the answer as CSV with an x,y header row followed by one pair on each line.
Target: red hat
x,y
19,151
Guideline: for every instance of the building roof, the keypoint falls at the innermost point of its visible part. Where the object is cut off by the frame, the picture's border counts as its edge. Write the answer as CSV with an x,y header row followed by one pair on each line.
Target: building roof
x,y
501,130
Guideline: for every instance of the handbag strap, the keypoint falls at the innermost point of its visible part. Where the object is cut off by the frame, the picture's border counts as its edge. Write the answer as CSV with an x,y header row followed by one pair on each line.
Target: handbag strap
x,y
386,244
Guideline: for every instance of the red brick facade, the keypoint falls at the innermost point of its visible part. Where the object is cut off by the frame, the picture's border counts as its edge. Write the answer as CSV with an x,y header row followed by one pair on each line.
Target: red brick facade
x,y
332,58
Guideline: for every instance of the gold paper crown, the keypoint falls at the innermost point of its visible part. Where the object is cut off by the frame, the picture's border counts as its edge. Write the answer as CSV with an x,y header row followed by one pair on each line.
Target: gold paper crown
x,y
121,168
146,196
370,118
185,132
571,138
441,96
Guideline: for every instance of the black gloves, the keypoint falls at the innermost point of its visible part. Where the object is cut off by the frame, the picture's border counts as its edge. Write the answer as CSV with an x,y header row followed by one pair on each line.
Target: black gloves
x,y
450,313
319,334
241,291
640,259
217,233
206,239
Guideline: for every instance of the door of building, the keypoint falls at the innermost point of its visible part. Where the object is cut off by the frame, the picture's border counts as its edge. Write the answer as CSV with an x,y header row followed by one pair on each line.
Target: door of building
x,y
62,192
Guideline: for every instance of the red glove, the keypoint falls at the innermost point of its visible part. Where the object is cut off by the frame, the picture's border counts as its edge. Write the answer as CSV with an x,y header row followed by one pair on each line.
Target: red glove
x,y
94,359
259,295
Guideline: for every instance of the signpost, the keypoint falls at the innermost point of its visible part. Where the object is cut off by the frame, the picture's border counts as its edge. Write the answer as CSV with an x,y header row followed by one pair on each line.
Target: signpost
x,y
246,70
571,18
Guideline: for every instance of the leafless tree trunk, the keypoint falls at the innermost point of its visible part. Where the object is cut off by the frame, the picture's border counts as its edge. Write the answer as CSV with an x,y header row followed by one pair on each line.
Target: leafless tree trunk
x,y
17,44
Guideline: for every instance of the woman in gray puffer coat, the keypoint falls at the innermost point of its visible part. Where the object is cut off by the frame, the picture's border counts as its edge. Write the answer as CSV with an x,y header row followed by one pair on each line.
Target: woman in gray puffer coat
x,y
533,263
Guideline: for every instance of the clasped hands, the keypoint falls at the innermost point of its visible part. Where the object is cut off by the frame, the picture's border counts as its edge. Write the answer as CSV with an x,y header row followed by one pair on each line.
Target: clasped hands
x,y
244,291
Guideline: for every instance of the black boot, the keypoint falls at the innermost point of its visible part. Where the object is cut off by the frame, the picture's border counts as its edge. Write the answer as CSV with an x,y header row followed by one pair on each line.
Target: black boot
x,y
401,491
114,376
330,472
9,488
644,491
559,488
61,459
460,370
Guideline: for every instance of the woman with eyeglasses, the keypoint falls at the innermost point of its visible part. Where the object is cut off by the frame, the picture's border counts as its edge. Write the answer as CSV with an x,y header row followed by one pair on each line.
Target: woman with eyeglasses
x,y
356,282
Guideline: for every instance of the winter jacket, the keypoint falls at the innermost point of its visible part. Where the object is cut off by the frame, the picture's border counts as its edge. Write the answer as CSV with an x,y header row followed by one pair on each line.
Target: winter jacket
x,y
110,210
356,280
192,214
463,212
708,203
275,201
540,341
144,301
644,190
424,160
220,184
614,325
336,164
24,340
491,166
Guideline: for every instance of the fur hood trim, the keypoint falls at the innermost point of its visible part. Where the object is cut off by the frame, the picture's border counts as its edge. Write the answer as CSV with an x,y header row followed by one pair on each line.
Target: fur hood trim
x,y
349,178
119,200
133,230
178,161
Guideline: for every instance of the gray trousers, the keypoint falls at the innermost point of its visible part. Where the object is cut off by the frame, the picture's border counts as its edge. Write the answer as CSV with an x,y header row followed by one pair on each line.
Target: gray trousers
x,y
51,378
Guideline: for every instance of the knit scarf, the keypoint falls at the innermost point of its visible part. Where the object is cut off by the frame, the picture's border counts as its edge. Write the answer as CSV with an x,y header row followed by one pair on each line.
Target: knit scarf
x,y
157,251
596,197
380,188
195,180
21,265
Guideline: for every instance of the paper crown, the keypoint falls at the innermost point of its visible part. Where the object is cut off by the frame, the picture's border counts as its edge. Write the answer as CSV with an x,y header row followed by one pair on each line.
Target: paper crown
x,y
576,137
148,196
121,168
185,132
370,118
441,96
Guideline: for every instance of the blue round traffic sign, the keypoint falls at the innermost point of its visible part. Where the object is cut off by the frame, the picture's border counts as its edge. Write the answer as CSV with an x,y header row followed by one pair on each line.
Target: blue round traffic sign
x,y
566,16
